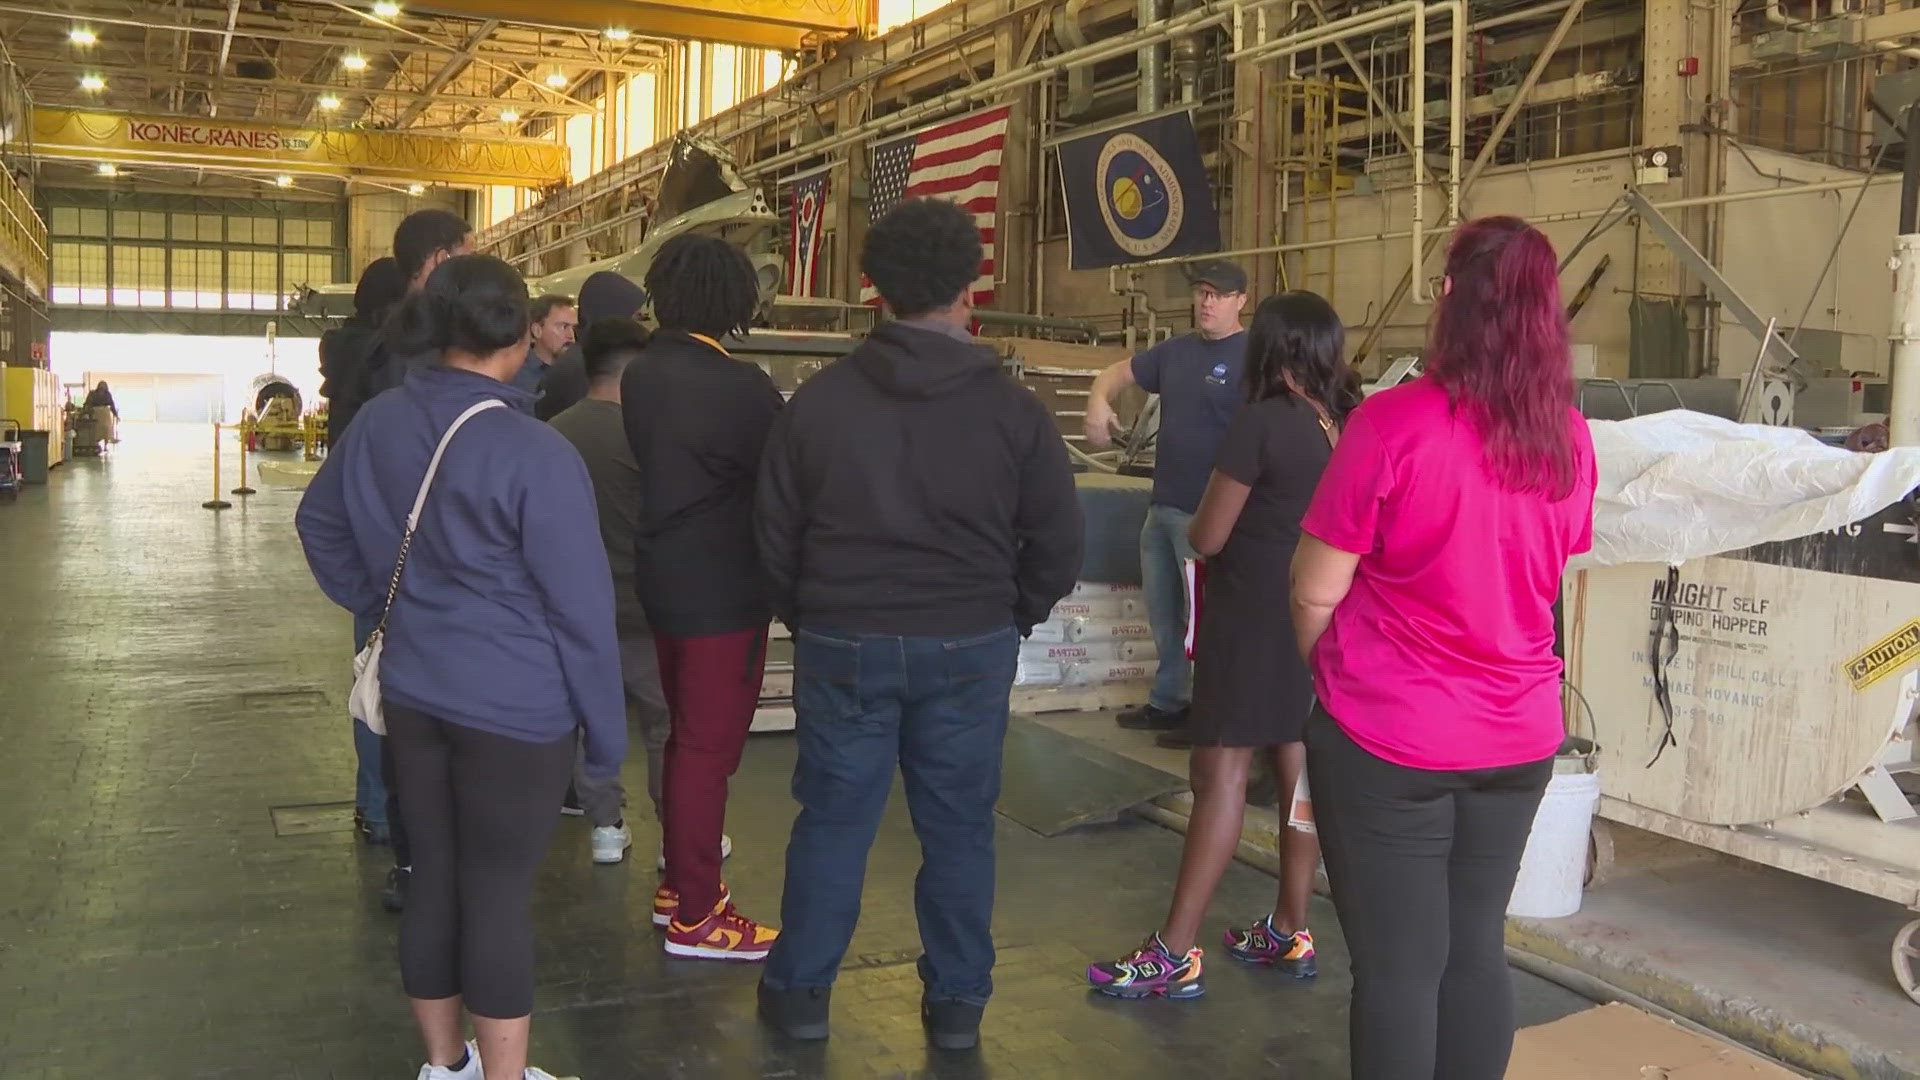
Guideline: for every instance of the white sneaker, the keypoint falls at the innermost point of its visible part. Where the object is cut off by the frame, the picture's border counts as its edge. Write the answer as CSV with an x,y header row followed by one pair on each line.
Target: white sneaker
x,y
441,1072
542,1074
726,850
610,843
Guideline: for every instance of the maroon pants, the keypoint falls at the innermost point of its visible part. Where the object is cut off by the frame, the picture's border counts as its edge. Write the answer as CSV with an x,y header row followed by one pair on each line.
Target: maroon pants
x,y
712,685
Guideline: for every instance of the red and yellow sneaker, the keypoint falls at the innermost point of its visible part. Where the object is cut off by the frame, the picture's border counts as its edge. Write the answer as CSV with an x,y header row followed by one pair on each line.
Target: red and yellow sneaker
x,y
725,934
666,903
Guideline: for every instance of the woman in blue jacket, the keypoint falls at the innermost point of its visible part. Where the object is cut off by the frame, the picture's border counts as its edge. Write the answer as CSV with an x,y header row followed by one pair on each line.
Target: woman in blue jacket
x,y
499,646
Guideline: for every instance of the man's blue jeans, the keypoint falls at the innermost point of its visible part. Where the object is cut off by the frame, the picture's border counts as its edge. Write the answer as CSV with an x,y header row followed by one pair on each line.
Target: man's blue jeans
x,y
1163,552
369,787
938,707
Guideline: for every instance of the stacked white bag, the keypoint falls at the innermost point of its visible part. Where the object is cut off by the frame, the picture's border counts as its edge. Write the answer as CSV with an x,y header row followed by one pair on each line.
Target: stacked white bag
x,y
1097,635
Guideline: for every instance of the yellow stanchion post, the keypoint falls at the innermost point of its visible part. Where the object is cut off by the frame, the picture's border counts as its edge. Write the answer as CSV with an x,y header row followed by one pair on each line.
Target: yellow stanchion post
x,y
216,503
246,434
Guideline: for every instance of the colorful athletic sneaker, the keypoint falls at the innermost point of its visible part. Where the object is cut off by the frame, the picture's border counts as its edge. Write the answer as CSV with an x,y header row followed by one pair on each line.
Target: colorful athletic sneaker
x,y
1149,971
666,903
725,934
1262,944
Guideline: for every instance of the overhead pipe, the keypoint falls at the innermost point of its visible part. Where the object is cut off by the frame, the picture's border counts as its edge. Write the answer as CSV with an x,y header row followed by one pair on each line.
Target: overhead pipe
x,y
1069,35
1152,64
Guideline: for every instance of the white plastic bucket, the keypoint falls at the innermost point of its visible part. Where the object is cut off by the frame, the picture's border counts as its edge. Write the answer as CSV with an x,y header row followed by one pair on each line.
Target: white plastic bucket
x,y
1554,867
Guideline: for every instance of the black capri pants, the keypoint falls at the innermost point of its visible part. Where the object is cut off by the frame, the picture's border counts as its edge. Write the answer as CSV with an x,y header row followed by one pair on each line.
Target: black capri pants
x,y
480,810
1422,865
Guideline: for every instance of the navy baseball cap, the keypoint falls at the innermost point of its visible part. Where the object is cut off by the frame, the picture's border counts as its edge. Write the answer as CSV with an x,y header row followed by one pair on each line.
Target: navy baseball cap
x,y
1224,276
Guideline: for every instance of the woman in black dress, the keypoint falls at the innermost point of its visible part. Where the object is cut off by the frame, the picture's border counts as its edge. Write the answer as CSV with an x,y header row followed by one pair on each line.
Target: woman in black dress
x,y
1251,692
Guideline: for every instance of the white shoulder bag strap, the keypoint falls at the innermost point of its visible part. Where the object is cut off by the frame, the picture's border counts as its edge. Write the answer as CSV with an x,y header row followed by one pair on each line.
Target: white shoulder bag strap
x,y
363,704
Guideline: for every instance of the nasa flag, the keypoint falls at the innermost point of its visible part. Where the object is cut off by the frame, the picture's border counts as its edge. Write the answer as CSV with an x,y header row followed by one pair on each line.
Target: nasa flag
x,y
1137,192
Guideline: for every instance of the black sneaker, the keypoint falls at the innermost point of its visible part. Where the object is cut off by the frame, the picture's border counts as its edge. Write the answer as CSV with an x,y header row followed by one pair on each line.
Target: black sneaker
x,y
570,806
1177,739
797,1014
1150,718
952,1025
394,896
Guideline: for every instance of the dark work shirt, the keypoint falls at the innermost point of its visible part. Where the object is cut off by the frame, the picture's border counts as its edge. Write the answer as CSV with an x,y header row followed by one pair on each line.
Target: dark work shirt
x,y
530,373
1199,384
595,428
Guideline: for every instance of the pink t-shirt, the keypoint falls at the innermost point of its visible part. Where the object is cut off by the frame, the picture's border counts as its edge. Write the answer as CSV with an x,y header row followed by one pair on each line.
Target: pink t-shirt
x,y
1441,655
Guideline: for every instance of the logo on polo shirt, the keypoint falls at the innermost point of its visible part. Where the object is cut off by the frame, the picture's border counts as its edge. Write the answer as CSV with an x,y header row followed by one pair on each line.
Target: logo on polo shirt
x,y
1219,376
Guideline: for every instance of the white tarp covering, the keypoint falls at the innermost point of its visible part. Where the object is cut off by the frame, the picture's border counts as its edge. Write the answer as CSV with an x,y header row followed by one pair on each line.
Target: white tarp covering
x,y
1681,485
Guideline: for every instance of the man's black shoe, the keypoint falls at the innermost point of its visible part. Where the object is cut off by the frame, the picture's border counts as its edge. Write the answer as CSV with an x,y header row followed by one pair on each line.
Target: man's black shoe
x,y
797,1014
1149,718
570,806
952,1025
394,896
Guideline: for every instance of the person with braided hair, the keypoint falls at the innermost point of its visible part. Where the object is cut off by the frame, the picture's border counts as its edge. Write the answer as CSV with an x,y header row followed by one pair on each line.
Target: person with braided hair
x,y
697,419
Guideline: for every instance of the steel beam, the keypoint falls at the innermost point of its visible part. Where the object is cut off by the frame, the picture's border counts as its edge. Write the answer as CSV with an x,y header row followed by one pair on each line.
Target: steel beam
x,y
455,65
333,36
67,135
220,65
1774,349
763,24
42,63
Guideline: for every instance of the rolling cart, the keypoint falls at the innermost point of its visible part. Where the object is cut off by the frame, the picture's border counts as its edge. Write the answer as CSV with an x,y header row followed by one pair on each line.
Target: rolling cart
x,y
11,474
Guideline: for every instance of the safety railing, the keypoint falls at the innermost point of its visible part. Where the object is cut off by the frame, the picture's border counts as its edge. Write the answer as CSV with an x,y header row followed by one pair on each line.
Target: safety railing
x,y
23,236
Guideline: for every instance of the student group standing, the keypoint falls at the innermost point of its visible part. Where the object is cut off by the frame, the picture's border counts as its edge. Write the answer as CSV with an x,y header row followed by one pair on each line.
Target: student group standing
x,y
910,514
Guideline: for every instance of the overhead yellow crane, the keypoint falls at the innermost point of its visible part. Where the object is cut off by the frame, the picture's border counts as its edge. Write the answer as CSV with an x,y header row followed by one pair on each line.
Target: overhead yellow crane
x,y
397,156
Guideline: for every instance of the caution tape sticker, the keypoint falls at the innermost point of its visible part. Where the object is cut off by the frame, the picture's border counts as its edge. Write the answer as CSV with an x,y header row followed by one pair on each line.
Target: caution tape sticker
x,y
1887,656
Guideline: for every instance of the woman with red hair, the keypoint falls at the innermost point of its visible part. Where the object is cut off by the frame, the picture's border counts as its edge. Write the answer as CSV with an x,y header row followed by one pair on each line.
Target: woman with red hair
x,y
1422,596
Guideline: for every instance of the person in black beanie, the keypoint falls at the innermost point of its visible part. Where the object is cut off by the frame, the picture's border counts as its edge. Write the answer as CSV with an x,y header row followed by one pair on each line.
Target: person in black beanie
x,y
604,295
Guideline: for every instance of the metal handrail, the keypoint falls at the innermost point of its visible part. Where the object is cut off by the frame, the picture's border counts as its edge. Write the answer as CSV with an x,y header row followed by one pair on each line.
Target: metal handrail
x,y
23,228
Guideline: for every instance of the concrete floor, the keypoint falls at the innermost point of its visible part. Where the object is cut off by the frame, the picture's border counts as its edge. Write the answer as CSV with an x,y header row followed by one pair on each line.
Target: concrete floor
x,y
181,899
1796,968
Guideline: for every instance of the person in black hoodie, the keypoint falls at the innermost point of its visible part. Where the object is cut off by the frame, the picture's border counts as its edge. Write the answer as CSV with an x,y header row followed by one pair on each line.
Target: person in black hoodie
x,y
421,242
917,517
343,356
345,348
697,419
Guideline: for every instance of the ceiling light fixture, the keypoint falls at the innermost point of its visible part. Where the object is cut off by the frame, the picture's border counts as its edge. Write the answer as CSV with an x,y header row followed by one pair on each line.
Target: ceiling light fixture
x,y
283,181
618,33
416,189
80,35
92,82
386,10
329,102
354,62
107,168
509,115
557,80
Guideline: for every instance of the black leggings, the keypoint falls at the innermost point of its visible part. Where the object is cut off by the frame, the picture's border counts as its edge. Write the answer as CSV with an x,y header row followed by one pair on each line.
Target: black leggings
x,y
1422,864
480,809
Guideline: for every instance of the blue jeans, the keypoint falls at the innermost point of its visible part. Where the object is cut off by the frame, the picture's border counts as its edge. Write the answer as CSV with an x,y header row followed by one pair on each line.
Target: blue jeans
x,y
1163,551
938,706
369,787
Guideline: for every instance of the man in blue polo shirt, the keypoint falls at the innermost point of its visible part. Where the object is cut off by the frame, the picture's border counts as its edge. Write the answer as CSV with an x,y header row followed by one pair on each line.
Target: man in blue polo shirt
x,y
1197,376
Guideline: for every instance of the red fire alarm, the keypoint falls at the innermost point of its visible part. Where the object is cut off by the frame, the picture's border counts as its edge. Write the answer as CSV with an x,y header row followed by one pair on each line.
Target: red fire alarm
x,y
1689,66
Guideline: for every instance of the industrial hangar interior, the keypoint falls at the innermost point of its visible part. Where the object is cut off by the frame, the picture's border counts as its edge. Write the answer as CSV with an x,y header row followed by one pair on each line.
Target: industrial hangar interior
x,y
1722,874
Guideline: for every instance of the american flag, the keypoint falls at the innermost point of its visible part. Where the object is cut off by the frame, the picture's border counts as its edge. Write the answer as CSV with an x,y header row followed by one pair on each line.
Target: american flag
x,y
958,160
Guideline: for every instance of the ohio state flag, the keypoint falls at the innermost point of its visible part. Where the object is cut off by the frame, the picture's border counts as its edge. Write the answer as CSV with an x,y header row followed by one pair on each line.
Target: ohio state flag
x,y
807,205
